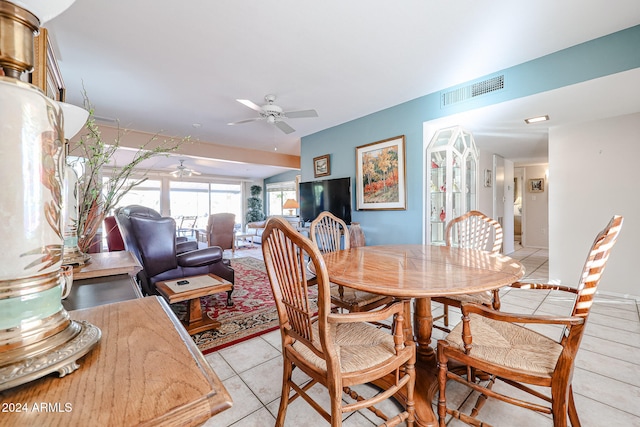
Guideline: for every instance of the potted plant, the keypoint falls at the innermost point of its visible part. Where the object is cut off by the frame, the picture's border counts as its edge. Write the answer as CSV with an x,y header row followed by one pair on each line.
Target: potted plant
x,y
254,205
97,197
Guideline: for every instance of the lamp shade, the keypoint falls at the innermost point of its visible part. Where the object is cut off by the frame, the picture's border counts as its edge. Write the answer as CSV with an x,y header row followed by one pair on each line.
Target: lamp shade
x,y
45,10
74,119
291,204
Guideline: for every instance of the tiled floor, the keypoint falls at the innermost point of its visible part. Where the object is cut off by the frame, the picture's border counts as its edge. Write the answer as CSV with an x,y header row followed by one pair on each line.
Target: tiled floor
x,y
606,378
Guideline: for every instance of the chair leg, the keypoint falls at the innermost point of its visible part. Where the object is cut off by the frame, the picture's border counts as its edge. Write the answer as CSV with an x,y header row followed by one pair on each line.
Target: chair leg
x,y
573,413
335,395
411,371
442,385
287,370
496,299
559,406
446,314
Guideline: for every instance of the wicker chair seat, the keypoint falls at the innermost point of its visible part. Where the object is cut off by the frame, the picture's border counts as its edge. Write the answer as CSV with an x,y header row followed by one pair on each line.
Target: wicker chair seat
x,y
359,346
353,297
509,345
485,298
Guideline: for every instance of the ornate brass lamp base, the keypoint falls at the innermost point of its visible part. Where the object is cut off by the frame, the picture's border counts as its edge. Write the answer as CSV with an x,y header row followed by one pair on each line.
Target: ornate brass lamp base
x,y
61,359
73,256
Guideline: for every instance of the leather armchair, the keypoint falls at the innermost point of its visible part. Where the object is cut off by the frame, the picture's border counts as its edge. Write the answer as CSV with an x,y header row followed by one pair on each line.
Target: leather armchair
x,y
220,230
151,238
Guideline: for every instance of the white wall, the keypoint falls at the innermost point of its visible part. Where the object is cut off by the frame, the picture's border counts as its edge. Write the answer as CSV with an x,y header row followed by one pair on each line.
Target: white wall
x,y
593,169
535,208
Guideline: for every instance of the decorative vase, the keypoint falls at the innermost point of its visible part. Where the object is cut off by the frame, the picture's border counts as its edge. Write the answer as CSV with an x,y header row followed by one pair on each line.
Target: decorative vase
x,y
442,215
37,336
356,235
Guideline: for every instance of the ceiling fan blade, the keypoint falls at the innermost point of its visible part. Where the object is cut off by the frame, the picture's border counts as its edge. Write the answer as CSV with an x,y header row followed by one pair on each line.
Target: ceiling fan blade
x,y
250,104
246,121
300,114
284,127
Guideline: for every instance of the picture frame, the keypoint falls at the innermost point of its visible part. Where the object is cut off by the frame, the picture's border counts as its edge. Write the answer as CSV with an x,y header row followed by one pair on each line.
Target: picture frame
x,y
46,74
321,166
488,178
536,185
381,175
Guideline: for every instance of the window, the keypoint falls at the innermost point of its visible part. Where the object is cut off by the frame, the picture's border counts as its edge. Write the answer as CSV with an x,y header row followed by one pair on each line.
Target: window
x,y
201,199
277,194
146,194
189,199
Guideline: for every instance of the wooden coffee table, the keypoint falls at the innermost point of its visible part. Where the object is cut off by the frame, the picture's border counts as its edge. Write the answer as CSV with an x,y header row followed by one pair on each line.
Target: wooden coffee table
x,y
199,286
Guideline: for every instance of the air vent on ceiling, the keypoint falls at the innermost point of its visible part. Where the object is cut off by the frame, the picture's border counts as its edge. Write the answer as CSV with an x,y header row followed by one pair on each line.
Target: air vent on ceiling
x,y
471,91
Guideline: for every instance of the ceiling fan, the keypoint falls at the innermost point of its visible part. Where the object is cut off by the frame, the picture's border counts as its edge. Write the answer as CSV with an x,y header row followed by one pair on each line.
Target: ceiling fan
x,y
182,171
274,114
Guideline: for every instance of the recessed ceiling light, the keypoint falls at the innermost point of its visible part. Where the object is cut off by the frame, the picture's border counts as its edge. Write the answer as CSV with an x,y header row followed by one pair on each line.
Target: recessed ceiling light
x,y
536,119
196,125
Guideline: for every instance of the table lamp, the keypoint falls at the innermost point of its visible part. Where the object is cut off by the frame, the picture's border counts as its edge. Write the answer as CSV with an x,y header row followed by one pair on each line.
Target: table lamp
x,y
290,204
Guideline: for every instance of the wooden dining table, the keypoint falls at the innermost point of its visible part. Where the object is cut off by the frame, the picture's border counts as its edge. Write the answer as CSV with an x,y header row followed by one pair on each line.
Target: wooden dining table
x,y
419,272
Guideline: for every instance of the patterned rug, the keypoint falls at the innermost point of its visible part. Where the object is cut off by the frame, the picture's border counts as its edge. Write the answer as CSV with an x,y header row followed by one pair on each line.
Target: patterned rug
x,y
253,313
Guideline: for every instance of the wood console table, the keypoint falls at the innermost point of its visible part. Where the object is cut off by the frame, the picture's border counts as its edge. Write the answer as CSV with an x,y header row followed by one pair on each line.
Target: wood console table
x,y
108,264
145,370
108,278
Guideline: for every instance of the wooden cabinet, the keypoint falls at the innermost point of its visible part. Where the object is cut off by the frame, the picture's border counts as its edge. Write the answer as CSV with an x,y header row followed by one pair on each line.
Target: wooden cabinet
x,y
452,168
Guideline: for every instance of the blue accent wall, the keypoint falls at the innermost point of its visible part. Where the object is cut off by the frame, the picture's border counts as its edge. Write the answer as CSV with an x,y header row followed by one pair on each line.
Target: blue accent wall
x,y
607,55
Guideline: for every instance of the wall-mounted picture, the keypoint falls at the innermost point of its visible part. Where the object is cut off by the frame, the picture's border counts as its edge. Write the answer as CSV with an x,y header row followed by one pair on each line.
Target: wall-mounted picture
x,y
380,175
488,177
536,185
321,166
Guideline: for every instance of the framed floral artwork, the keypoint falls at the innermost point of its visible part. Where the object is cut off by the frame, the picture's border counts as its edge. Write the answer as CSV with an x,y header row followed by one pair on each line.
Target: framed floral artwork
x,y
380,175
321,166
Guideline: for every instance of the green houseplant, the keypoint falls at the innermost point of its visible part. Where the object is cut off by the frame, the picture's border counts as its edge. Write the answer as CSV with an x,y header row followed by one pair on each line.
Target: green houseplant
x,y
254,205
96,196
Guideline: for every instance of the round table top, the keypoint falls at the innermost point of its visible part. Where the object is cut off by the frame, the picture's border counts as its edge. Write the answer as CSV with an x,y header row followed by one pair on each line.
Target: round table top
x,y
421,270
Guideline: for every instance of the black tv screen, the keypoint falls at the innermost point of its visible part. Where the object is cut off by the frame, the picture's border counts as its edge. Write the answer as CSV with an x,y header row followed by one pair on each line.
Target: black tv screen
x,y
333,195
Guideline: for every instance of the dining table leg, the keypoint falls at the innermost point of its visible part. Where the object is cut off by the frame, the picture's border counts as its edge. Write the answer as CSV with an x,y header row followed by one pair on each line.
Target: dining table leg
x,y
426,364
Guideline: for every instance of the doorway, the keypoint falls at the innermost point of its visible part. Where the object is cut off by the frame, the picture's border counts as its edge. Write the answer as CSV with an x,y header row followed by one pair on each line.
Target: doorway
x,y
518,174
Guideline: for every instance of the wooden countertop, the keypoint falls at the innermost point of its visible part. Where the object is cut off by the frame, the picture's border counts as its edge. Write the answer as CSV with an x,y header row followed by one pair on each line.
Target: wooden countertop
x,y
108,264
145,370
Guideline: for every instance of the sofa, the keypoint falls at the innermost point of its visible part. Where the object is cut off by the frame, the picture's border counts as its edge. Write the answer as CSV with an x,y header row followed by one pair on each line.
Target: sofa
x,y
257,228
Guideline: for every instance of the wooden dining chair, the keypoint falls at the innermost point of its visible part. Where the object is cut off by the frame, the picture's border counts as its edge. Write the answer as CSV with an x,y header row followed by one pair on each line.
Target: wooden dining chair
x,y
330,234
473,230
498,344
337,350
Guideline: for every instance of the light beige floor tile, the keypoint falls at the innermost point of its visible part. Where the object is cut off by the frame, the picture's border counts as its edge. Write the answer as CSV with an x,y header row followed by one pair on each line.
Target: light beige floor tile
x,y
244,403
220,366
260,418
608,366
616,350
618,395
248,354
300,413
593,413
274,339
613,333
265,380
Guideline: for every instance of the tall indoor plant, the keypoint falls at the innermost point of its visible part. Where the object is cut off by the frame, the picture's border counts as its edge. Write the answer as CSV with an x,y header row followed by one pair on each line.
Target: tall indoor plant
x,y
254,205
96,196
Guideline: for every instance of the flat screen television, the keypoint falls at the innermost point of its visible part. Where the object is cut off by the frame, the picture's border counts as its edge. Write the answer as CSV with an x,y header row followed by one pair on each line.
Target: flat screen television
x,y
333,195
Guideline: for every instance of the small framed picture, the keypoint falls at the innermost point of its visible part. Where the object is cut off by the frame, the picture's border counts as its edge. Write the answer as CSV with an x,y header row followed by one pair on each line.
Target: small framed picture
x,y
321,166
488,177
536,185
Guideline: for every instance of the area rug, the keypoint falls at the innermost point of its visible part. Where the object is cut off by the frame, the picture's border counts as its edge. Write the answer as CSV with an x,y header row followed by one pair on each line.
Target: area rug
x,y
253,312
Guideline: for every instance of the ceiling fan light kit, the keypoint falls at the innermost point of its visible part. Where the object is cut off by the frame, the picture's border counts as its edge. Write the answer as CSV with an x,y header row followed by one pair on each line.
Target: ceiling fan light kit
x,y
182,171
274,114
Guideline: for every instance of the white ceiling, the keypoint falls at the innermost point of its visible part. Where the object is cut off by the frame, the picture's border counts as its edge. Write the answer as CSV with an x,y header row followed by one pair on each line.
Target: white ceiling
x,y
159,66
